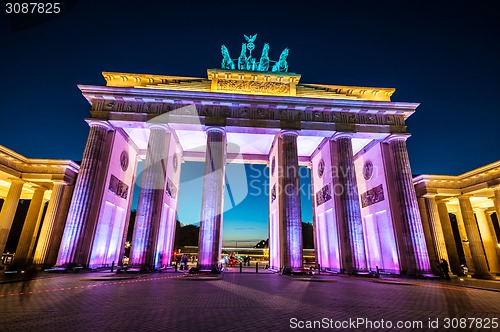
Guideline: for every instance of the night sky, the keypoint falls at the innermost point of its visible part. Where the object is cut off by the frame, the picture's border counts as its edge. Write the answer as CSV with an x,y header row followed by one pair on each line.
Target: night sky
x,y
445,57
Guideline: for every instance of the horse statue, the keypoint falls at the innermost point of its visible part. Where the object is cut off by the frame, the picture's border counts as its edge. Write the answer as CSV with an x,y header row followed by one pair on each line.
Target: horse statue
x,y
264,59
281,65
242,60
227,63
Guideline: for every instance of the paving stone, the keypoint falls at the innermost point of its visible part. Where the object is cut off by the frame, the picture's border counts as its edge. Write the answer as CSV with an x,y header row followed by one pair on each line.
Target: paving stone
x,y
237,302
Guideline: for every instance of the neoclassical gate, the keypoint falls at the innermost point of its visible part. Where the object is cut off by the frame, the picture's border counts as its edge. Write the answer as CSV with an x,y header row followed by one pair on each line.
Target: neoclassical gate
x,y
353,139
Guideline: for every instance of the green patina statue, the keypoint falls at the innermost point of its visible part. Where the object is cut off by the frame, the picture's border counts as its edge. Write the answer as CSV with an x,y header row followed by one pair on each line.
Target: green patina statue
x,y
264,59
227,63
282,65
247,62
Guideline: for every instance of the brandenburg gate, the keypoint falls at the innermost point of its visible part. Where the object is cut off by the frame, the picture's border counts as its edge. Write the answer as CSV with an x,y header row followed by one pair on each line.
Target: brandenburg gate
x,y
365,210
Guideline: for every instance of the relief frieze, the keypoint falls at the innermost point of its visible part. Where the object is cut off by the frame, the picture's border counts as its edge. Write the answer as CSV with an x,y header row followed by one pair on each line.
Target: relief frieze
x,y
258,112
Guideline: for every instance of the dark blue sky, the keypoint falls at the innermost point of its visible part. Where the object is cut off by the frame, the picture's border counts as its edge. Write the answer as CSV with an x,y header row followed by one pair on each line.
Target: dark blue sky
x,y
445,57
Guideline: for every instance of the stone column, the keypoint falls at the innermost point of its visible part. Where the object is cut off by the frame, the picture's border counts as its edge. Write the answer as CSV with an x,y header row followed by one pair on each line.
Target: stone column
x,y
496,201
145,236
210,241
436,229
476,247
463,239
8,212
354,246
84,192
489,241
496,240
23,253
291,243
45,238
60,222
433,257
413,233
449,239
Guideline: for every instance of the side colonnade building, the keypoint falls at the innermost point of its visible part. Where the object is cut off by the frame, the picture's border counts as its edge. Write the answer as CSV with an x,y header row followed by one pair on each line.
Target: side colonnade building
x,y
41,181
460,219
366,213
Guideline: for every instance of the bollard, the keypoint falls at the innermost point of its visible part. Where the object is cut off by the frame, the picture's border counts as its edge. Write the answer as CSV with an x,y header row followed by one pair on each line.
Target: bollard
x,y
112,266
319,268
175,269
256,267
378,273
241,267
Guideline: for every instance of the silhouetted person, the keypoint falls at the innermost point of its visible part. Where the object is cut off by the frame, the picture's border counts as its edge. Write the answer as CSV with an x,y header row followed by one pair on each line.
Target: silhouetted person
x,y
445,268
29,274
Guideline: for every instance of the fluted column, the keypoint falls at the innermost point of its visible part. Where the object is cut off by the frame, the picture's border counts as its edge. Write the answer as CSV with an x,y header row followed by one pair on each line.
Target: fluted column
x,y
44,240
291,243
23,253
8,212
414,239
57,233
433,257
436,229
463,237
488,239
354,249
145,236
449,239
496,201
210,241
84,192
476,247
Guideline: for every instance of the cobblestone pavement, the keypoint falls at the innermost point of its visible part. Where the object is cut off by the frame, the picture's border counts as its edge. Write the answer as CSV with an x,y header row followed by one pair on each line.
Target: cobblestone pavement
x,y
237,302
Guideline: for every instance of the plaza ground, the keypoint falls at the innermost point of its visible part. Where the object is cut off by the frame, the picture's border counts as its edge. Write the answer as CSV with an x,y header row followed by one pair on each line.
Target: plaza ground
x,y
247,301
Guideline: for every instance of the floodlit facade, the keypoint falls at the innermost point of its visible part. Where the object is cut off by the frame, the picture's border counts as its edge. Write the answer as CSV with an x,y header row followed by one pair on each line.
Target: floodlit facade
x,y
353,138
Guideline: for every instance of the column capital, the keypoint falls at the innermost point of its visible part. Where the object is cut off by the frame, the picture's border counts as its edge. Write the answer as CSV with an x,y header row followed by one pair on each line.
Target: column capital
x,y
99,123
339,135
396,137
59,182
162,126
215,129
37,187
16,180
288,132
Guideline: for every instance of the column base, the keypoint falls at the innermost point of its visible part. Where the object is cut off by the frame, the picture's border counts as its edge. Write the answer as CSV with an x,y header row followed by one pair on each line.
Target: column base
x,y
212,269
485,276
287,270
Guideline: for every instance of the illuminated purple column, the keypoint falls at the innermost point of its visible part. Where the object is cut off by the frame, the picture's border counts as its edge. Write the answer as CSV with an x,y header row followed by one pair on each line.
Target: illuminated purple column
x,y
210,241
414,239
84,192
354,249
291,243
449,239
23,253
145,236
8,212
481,269
46,233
